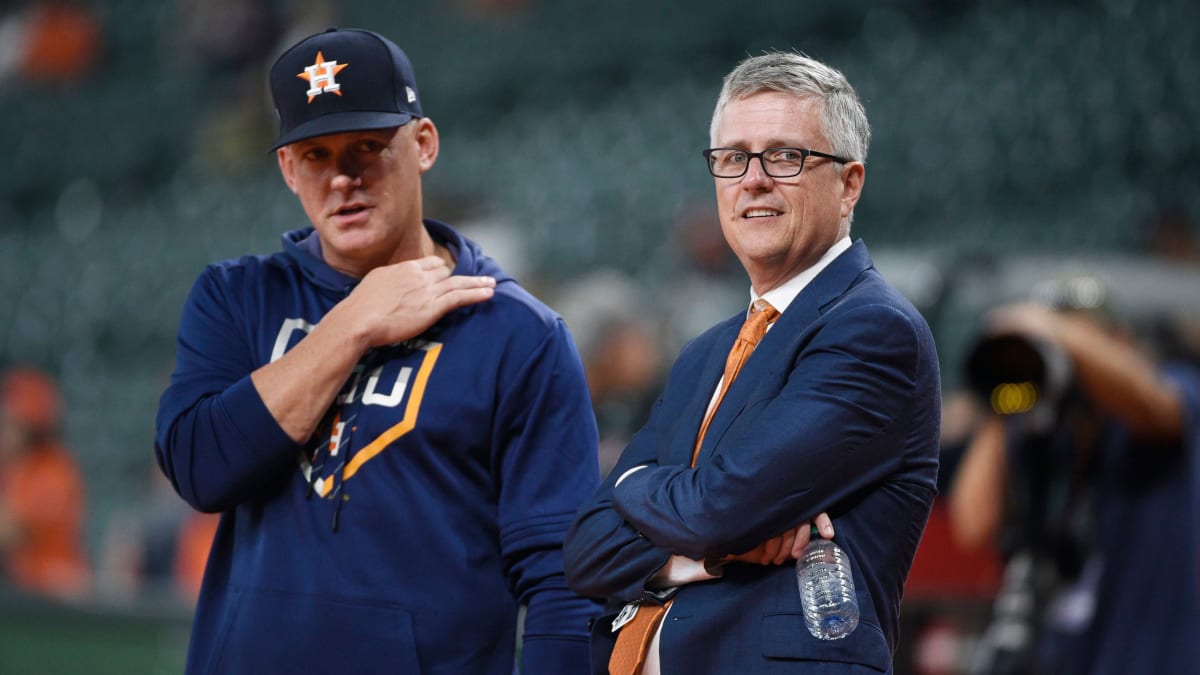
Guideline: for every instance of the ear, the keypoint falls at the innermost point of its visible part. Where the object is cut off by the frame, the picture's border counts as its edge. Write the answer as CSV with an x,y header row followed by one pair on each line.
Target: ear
x,y
426,137
853,177
286,169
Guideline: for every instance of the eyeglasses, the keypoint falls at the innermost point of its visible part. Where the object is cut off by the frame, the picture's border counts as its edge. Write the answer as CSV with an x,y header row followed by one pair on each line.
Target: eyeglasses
x,y
776,162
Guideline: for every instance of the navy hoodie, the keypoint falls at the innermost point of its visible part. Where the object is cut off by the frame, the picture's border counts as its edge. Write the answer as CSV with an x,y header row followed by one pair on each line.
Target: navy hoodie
x,y
430,504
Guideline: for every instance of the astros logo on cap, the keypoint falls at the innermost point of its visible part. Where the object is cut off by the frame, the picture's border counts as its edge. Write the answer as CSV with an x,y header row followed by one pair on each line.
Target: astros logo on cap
x,y
320,76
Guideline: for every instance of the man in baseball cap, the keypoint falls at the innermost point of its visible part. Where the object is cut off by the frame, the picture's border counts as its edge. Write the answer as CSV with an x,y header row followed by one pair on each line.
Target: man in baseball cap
x,y
395,433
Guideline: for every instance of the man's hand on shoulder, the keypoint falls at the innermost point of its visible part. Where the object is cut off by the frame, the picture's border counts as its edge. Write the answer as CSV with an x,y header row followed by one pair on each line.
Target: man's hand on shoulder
x,y
400,301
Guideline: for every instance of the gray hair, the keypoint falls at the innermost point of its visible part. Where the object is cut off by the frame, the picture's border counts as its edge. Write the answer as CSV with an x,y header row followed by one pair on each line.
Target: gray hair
x,y
843,119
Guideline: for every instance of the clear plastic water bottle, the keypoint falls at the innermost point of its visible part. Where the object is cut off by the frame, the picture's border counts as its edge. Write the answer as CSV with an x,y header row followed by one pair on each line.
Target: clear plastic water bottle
x,y
826,589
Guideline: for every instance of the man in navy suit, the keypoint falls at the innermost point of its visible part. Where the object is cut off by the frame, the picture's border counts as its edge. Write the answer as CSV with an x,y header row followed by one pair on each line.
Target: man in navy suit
x,y
833,419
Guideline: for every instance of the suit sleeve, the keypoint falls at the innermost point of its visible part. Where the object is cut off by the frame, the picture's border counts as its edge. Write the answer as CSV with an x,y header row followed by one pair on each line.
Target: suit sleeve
x,y
606,557
549,463
826,435
215,440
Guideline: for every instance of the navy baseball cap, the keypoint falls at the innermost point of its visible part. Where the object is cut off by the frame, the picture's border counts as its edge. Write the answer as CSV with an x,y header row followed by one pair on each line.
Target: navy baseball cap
x,y
342,80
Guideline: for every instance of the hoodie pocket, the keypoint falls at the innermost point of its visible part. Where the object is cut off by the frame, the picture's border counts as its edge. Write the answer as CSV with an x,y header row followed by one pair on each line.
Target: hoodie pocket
x,y
279,632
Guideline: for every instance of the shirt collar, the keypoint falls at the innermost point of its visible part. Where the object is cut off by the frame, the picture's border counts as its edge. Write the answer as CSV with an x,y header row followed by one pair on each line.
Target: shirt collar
x,y
783,295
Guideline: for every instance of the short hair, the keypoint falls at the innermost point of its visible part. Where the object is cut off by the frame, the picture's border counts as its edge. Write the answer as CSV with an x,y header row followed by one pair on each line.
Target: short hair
x,y
843,119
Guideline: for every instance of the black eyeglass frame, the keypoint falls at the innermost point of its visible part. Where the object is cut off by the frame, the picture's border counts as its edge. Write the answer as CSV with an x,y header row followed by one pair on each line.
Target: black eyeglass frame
x,y
805,152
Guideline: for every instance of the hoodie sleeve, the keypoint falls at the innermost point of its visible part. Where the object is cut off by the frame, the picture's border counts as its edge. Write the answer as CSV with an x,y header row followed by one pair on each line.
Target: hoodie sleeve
x,y
215,439
548,464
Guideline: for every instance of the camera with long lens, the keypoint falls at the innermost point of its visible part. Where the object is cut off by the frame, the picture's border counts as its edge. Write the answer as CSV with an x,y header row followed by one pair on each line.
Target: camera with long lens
x,y
1014,374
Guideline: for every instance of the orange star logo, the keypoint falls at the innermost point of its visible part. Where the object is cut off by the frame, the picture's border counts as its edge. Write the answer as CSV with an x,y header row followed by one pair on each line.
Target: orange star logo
x,y
321,77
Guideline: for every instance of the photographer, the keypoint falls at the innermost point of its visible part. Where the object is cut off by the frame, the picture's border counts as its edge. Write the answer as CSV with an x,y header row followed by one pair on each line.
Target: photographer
x,y
1089,482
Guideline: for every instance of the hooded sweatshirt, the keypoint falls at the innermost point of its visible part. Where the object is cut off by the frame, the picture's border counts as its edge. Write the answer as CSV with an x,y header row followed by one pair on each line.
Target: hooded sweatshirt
x,y
430,504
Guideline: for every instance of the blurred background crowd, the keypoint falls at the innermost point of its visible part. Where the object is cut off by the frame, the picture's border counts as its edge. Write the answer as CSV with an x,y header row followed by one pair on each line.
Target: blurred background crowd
x,y
1015,144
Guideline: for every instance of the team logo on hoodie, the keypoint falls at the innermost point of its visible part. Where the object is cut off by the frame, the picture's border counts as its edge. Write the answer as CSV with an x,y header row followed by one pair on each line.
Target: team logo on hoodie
x,y
377,381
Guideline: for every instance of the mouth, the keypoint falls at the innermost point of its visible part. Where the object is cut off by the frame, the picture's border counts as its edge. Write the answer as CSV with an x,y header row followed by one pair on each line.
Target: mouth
x,y
349,210
760,212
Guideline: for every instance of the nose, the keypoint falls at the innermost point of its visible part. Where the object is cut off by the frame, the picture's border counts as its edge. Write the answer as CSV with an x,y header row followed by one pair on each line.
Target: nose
x,y
343,181
756,177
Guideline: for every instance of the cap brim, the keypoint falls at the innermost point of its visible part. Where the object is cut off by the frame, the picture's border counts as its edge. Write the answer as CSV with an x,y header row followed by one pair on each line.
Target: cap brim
x,y
336,123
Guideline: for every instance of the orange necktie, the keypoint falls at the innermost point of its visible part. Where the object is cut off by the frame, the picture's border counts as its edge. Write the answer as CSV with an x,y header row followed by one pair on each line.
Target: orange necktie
x,y
629,653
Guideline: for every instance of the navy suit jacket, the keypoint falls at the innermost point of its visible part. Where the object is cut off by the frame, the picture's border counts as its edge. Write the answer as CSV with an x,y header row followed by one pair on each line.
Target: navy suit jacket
x,y
837,410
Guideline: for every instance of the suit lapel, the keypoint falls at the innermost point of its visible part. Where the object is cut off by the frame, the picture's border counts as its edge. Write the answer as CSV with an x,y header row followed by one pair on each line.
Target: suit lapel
x,y
703,387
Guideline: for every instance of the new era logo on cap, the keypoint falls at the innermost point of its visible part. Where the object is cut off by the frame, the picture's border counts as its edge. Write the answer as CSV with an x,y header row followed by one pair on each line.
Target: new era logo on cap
x,y
342,80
